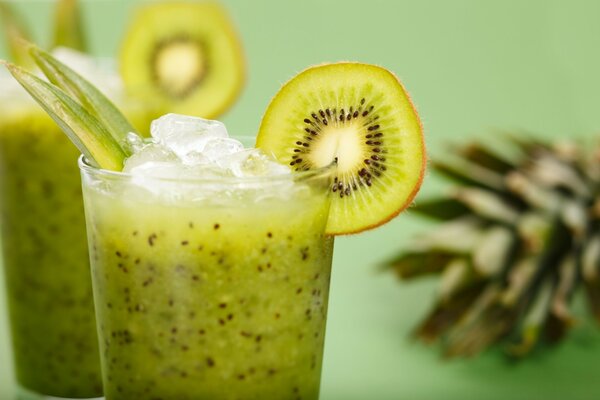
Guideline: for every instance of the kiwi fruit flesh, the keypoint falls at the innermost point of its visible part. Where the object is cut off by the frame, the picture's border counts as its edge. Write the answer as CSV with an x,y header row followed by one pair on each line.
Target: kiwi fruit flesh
x,y
359,116
183,57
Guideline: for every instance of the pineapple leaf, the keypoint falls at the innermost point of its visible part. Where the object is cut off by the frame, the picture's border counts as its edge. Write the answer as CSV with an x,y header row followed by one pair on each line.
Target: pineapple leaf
x,y
590,260
493,251
533,228
532,324
96,103
411,265
447,313
68,26
84,130
486,158
532,193
574,216
457,275
467,173
567,280
521,278
556,328
15,31
590,267
488,205
486,321
592,289
527,143
458,236
550,172
440,209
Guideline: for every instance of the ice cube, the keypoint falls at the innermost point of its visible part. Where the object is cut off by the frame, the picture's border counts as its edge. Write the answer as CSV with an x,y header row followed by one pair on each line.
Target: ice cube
x,y
157,169
134,142
149,165
233,162
193,158
273,167
261,164
213,149
219,147
148,159
186,136
252,163
207,171
174,124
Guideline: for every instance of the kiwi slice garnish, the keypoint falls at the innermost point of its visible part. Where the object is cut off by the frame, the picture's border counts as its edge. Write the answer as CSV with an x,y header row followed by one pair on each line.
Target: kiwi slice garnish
x,y
183,57
361,117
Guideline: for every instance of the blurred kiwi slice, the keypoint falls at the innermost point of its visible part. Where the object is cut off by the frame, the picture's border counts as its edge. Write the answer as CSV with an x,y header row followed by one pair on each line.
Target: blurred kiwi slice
x,y
183,57
360,117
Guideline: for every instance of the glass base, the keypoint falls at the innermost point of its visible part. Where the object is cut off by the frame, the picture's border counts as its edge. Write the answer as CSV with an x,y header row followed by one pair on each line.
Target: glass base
x,y
26,394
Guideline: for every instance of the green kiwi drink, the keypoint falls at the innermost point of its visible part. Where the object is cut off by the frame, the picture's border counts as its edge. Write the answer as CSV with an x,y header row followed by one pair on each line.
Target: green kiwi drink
x,y
213,287
45,258
44,246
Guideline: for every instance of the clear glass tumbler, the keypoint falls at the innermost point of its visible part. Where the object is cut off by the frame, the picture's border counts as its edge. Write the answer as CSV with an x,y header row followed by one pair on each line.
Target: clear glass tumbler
x,y
209,289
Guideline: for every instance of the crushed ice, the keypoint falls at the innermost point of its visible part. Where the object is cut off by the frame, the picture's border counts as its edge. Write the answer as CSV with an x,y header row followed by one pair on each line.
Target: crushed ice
x,y
184,148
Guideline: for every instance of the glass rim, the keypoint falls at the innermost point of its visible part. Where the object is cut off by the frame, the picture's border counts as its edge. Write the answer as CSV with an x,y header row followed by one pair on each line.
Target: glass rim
x,y
321,172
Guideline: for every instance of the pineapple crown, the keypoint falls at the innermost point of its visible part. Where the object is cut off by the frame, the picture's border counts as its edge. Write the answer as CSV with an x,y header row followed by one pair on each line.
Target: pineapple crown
x,y
518,237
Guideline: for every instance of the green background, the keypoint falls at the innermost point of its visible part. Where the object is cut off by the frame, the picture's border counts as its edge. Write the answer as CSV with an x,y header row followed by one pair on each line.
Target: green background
x,y
471,67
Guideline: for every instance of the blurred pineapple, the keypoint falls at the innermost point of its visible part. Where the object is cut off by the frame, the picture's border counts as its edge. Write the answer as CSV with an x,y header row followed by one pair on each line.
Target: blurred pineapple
x,y
519,235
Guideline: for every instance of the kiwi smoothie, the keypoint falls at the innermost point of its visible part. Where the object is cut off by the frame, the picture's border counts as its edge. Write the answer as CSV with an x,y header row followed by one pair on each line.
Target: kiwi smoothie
x,y
218,297
46,259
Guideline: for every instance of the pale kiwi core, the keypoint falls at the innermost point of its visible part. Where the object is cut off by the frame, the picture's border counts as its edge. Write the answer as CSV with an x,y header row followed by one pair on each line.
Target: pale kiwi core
x,y
341,144
180,66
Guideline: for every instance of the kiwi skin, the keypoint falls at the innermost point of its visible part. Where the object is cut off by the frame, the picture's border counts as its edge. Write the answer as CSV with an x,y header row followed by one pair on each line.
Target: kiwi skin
x,y
418,172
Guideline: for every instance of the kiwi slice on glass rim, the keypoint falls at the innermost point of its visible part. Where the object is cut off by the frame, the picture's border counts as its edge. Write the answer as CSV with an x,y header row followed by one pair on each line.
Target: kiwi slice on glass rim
x,y
183,57
359,116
